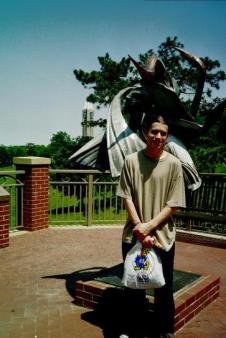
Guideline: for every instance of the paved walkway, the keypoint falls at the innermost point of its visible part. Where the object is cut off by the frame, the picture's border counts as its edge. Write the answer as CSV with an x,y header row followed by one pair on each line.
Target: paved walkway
x,y
38,271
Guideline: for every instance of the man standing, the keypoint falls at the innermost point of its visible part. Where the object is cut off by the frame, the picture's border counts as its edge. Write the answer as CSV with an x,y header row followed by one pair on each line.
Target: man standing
x,y
152,187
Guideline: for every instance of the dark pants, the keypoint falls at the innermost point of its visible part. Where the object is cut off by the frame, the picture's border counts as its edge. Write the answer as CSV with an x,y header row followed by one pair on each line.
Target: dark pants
x,y
164,307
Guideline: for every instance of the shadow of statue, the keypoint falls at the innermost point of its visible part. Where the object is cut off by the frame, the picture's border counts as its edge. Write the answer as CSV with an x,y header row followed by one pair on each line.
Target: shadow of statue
x,y
80,275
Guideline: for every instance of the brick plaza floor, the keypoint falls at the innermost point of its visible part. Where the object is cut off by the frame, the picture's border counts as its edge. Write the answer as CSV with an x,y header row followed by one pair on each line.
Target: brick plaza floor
x,y
38,271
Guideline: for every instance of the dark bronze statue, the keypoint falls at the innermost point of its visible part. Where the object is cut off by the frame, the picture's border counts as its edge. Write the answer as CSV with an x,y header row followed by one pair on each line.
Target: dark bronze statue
x,y
158,93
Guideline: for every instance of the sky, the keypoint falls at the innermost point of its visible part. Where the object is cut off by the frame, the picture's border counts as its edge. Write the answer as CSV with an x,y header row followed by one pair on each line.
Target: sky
x,y
43,41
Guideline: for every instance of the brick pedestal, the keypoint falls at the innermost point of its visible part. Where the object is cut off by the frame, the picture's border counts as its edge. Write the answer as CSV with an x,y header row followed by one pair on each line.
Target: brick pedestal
x,y
36,185
4,218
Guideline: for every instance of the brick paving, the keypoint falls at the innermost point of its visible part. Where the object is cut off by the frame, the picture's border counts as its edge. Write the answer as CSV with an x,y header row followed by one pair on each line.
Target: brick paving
x,y
39,269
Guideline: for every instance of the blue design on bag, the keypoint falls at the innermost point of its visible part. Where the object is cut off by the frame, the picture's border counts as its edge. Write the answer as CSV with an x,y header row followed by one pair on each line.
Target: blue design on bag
x,y
141,261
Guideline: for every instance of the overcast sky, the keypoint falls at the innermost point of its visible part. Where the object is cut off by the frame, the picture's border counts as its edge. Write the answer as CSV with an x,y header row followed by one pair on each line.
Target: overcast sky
x,y
43,41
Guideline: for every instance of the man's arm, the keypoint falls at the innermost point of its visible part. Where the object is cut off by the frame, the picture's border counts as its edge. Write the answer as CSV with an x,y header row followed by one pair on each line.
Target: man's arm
x,y
141,230
131,210
144,229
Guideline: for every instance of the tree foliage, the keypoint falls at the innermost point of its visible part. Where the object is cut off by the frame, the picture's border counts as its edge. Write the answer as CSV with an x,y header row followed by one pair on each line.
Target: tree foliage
x,y
7,153
60,148
109,80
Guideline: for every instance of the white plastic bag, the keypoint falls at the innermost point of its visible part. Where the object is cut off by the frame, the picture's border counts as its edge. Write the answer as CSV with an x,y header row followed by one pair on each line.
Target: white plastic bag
x,y
142,269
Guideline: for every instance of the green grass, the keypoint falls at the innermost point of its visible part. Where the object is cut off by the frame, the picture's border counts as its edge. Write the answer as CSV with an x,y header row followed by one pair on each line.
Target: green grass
x,y
220,169
58,199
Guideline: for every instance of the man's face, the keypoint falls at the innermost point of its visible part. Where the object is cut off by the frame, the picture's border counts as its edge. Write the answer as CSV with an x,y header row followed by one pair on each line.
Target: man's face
x,y
156,136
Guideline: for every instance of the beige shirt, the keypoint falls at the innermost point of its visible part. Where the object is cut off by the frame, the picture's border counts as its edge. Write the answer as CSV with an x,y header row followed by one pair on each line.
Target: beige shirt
x,y
152,185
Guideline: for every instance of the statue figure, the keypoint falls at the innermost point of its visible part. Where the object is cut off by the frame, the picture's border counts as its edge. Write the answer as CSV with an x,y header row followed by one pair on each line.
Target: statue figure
x,y
158,93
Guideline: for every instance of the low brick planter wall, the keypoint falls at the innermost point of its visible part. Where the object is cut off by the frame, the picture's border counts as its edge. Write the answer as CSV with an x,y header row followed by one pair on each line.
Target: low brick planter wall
x,y
201,238
189,301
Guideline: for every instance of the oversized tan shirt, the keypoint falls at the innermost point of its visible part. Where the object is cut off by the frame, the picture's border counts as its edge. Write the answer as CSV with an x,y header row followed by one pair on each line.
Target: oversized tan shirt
x,y
152,185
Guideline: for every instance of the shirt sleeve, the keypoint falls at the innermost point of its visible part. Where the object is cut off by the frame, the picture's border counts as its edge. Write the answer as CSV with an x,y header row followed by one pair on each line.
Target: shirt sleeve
x,y
124,188
176,195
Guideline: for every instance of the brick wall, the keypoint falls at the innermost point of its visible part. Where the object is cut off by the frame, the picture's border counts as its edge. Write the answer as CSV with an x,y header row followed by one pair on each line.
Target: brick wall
x,y
4,218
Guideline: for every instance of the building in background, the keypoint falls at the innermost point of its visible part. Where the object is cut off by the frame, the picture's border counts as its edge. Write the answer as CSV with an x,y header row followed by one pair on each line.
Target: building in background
x,y
88,119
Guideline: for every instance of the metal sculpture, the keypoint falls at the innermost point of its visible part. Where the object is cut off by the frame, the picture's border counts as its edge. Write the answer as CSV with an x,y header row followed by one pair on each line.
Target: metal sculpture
x,y
158,93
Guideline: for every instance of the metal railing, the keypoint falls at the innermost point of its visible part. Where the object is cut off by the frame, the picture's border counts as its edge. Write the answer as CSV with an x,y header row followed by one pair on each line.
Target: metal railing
x,y
10,181
89,197
84,197
206,206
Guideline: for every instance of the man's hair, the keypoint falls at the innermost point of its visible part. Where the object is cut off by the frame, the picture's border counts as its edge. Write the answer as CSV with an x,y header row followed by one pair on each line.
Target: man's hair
x,y
152,118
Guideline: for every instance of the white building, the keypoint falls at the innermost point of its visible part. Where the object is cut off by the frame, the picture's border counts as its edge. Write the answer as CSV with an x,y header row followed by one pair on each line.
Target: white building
x,y
87,119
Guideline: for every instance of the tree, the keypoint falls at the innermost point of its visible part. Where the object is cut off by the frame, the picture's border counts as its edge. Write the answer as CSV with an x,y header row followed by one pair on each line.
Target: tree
x,y
7,153
114,76
5,159
61,147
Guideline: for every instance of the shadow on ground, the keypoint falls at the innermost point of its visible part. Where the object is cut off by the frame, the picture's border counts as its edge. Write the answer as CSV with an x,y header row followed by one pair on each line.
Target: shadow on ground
x,y
118,311
115,313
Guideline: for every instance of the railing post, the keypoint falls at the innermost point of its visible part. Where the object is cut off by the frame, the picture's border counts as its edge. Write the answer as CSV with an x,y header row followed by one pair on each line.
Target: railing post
x,y
36,186
4,218
90,200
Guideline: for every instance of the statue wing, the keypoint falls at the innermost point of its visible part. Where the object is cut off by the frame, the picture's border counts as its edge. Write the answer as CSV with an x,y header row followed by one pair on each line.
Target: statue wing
x,y
121,140
93,154
177,148
109,149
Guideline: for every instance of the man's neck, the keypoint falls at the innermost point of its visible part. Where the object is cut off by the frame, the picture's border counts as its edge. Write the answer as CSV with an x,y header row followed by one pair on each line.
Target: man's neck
x,y
155,155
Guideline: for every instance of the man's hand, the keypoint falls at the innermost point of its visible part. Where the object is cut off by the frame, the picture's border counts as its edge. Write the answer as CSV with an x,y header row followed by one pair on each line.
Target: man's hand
x,y
149,241
141,230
